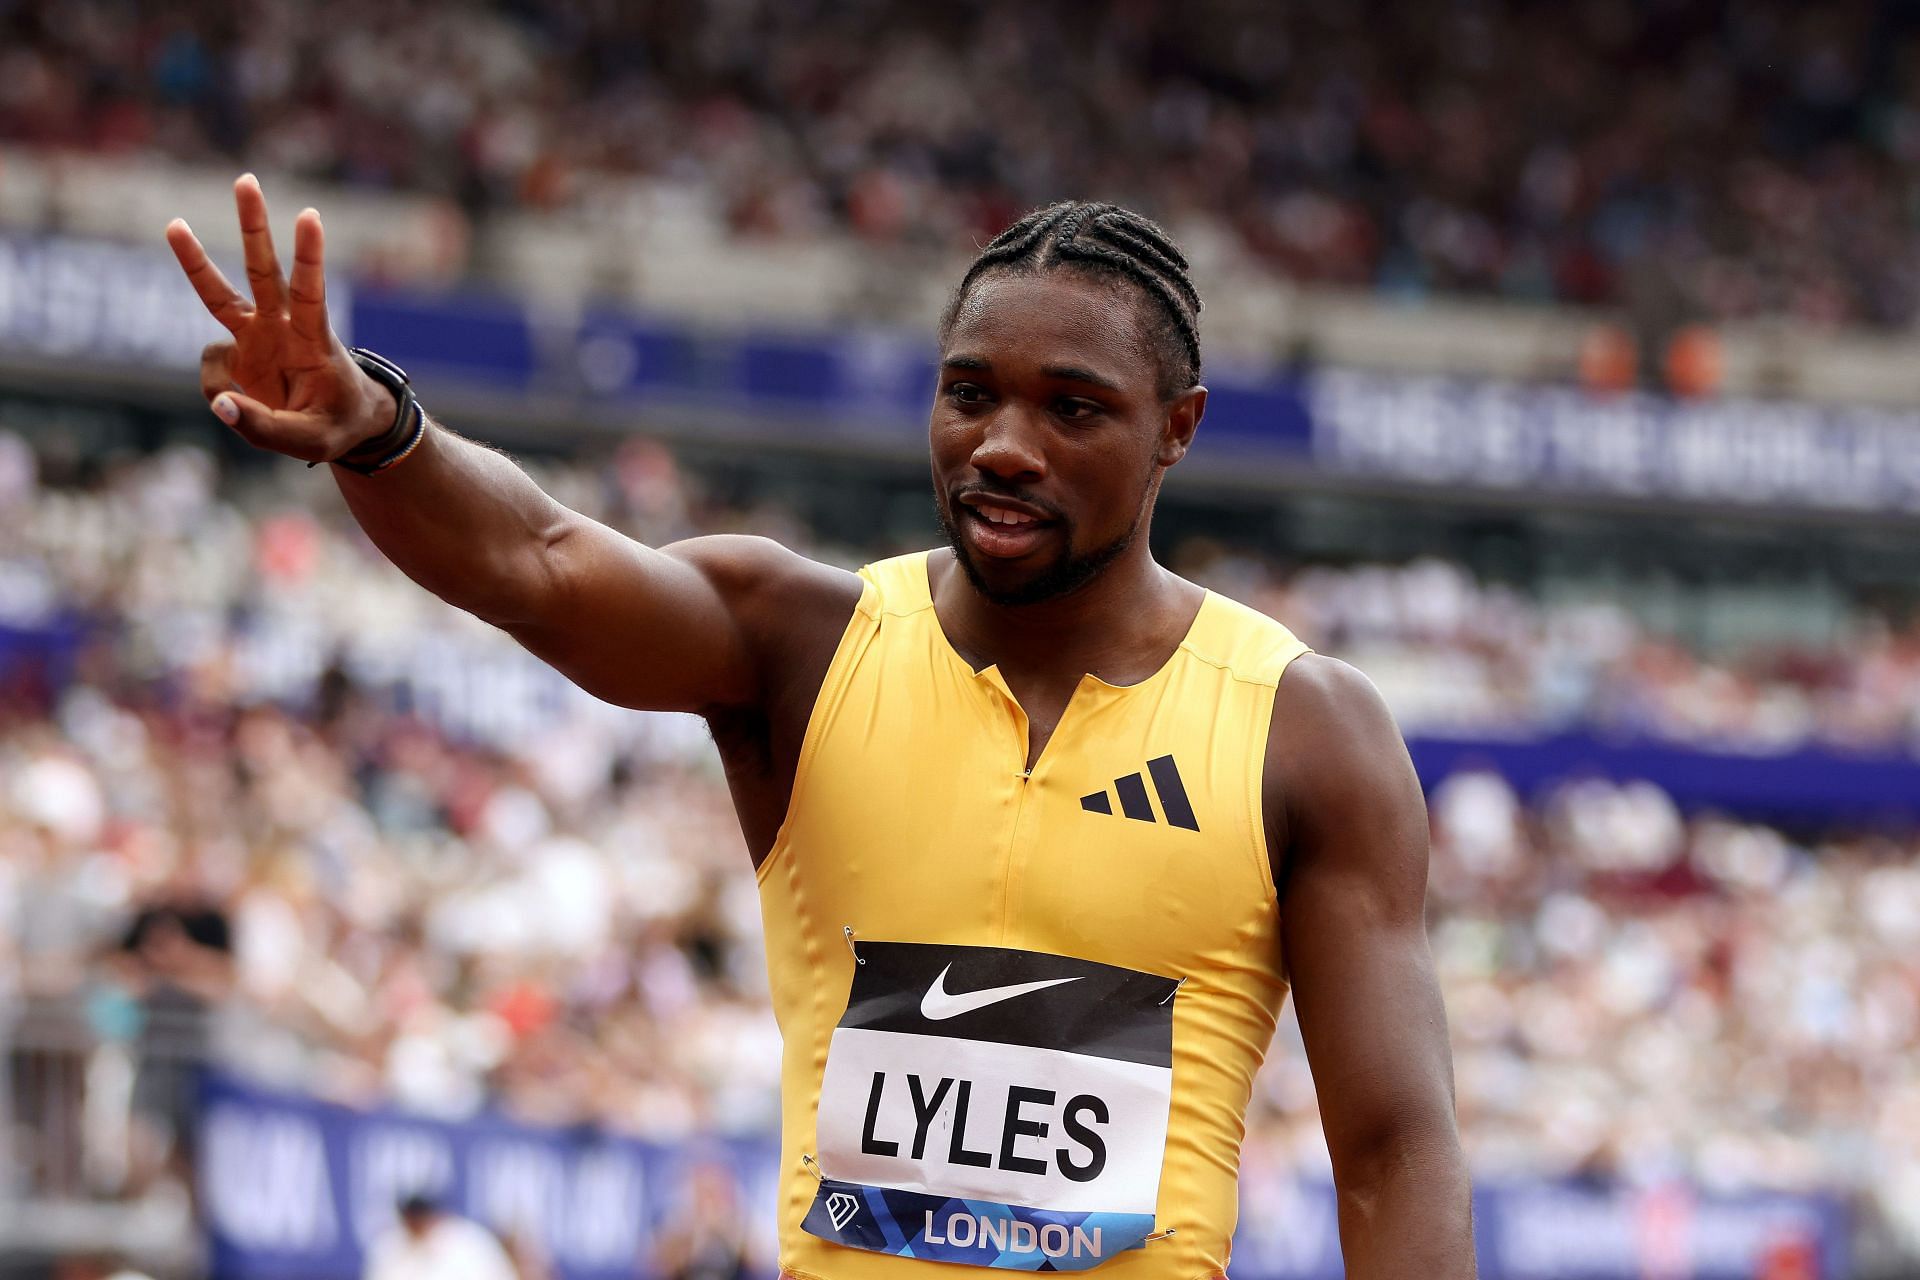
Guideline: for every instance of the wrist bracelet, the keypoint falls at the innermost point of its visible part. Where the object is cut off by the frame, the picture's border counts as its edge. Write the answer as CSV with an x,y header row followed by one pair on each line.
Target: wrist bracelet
x,y
409,419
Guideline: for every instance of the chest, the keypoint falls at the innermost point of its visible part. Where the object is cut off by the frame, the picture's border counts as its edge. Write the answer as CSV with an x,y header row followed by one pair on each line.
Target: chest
x,y
1122,831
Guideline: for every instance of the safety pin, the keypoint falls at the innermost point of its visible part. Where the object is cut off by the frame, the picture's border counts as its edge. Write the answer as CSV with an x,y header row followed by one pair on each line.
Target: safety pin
x,y
1160,1235
812,1166
848,930
1170,995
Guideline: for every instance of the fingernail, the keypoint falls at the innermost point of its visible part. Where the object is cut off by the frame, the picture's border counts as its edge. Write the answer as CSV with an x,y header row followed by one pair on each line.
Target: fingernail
x,y
226,410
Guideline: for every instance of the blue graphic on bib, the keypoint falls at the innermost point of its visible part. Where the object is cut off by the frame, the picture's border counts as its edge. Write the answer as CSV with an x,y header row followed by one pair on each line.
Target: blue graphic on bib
x,y
980,1233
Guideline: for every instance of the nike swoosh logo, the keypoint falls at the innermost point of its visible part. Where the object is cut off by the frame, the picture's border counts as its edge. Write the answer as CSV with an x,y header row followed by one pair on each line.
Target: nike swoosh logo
x,y
939,1004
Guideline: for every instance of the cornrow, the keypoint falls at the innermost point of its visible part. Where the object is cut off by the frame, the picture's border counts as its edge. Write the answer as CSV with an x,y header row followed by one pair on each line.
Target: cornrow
x,y
1147,229
1105,240
1181,306
1171,267
1018,240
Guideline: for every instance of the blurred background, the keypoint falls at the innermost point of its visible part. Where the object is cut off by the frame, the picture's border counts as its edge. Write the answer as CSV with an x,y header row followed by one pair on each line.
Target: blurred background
x,y
1564,380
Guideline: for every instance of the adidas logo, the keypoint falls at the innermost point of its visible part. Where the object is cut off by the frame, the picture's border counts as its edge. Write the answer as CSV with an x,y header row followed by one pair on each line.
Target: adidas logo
x,y
1132,791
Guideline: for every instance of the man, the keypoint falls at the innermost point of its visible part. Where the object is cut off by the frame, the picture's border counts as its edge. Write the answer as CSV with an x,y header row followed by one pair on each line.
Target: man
x,y
706,1236
429,1243
1027,813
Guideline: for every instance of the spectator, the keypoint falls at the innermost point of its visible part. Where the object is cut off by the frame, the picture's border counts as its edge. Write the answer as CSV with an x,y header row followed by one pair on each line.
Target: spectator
x,y
708,1237
431,1243
1684,161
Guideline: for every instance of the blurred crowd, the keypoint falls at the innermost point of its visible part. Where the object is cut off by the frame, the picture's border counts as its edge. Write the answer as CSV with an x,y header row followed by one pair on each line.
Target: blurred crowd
x,y
262,798
1688,158
1454,655
1635,994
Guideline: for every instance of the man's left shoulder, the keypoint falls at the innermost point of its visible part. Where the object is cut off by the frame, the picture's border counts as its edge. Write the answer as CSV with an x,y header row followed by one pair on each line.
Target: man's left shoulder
x,y
1333,698
1333,750
1240,639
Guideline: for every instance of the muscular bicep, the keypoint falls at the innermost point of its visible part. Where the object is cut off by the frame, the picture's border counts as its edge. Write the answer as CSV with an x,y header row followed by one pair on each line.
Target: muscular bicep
x,y
1353,883
691,626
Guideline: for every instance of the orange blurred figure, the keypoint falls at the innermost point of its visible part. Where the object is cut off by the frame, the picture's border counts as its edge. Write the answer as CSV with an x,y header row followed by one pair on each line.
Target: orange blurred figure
x,y
1609,362
1696,365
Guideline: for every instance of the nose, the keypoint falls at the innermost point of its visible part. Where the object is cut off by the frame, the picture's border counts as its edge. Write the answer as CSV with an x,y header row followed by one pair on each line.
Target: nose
x,y
1009,447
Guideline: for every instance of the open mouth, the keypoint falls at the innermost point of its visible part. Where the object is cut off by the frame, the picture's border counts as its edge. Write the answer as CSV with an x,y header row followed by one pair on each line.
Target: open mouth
x,y
1002,529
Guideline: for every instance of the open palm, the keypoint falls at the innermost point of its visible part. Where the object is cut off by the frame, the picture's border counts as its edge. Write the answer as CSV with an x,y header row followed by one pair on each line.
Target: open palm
x,y
284,381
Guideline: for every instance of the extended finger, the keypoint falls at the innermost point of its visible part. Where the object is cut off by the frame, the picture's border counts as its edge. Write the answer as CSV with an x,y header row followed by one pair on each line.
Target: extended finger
x,y
216,369
307,290
263,268
221,299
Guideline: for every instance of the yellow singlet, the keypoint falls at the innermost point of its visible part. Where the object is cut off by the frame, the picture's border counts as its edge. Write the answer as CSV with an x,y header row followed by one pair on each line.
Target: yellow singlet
x,y
1065,981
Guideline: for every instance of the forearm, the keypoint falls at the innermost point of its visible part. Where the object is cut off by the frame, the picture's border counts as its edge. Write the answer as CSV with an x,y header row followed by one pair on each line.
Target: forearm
x,y
1410,1215
463,521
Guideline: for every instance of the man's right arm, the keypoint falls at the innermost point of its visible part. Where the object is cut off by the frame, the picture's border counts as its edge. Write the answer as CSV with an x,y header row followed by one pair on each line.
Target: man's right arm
x,y
695,626
687,627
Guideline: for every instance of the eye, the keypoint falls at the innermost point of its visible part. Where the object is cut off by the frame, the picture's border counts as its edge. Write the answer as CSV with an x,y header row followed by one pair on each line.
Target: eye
x,y
1075,409
966,393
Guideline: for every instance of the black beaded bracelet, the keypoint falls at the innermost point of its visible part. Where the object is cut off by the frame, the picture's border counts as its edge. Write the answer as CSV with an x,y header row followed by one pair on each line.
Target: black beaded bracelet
x,y
409,419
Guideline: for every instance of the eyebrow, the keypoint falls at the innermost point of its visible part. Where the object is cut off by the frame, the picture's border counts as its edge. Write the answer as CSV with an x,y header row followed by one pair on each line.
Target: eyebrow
x,y
1074,373
1058,372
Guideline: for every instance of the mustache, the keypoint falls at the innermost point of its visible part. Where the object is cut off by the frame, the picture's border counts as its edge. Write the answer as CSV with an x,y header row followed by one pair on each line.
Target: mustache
x,y
983,489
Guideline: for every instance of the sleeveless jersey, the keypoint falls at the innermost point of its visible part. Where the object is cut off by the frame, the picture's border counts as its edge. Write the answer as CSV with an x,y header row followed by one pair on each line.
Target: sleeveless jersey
x,y
1022,1012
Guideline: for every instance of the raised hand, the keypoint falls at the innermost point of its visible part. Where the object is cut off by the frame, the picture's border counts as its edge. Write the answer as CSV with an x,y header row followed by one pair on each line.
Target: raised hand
x,y
284,381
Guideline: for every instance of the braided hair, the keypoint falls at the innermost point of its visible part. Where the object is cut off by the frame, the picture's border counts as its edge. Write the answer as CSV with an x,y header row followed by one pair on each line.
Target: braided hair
x,y
1106,241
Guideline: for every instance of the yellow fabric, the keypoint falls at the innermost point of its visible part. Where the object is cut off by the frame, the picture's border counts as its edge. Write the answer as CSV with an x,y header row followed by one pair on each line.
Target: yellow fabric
x,y
911,821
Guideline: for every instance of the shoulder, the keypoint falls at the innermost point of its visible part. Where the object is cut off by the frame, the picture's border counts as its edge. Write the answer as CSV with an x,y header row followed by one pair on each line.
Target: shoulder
x,y
1242,641
1328,692
774,592
744,566
473,1251
787,611
1330,728
1335,757
391,1256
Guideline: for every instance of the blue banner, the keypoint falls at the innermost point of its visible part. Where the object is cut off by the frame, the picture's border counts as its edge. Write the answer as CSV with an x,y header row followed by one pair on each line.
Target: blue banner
x,y
1439,432
1553,1232
1811,785
1480,434
98,303
872,383
294,1189
94,303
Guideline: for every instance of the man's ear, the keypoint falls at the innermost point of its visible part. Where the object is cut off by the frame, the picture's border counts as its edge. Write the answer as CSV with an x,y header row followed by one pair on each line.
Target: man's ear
x,y
1183,419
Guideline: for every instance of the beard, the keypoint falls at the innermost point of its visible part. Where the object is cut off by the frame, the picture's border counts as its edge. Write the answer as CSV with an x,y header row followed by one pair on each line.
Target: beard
x,y
1063,577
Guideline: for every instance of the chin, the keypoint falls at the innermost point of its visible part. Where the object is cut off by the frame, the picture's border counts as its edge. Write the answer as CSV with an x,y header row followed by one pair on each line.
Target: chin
x,y
1004,581
1012,583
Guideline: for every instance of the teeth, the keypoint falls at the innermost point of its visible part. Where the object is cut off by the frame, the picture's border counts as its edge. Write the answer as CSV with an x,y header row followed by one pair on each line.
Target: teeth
x,y
996,516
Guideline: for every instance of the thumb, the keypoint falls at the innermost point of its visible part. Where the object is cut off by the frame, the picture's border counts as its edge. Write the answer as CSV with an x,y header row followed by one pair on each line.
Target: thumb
x,y
258,425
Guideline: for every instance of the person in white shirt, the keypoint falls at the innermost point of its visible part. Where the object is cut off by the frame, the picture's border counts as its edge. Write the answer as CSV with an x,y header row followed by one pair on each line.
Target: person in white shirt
x,y
429,1243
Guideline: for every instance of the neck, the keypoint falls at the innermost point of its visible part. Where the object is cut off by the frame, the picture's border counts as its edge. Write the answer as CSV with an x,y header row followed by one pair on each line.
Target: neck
x,y
1120,626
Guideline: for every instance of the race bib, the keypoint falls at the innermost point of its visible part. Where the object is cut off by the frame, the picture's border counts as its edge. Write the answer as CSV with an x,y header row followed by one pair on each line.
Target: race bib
x,y
994,1107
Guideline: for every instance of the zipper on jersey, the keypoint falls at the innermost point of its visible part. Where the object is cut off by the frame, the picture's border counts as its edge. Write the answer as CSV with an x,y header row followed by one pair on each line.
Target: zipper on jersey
x,y
1011,860
1025,773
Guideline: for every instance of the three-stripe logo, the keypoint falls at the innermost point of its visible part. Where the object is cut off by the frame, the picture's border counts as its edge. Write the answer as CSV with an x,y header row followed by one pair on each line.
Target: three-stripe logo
x,y
1132,790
